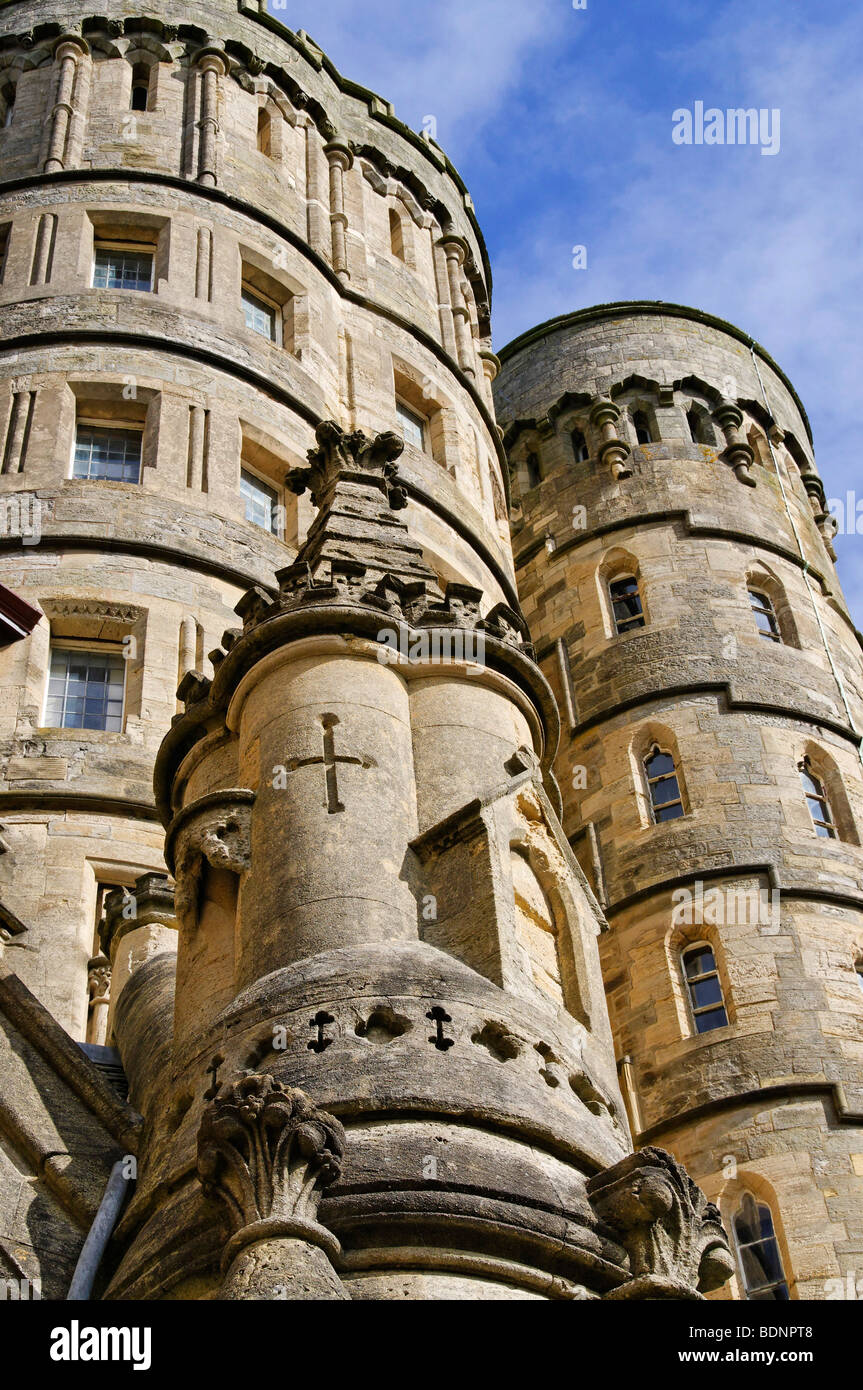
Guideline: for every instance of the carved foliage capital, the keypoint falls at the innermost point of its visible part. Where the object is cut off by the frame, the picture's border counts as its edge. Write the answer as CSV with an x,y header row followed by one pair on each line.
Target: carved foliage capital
x,y
353,455
672,1234
266,1151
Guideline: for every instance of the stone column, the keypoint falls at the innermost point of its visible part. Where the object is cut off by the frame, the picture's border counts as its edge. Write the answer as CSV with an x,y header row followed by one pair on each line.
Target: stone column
x,y
455,251
339,159
99,989
266,1152
68,53
137,925
212,65
737,452
614,451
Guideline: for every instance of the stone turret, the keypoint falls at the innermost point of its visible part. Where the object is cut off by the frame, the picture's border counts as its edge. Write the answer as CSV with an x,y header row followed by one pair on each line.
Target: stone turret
x,y
675,563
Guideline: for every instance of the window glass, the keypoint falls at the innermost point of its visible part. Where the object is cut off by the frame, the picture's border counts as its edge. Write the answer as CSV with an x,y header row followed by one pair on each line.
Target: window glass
x,y
85,690
758,1251
118,269
413,426
262,502
113,455
705,989
816,800
765,615
665,796
260,316
626,604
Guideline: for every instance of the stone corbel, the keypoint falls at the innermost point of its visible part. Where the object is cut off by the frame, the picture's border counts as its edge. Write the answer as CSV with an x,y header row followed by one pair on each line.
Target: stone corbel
x,y
455,250
674,1237
614,451
738,453
215,829
266,1152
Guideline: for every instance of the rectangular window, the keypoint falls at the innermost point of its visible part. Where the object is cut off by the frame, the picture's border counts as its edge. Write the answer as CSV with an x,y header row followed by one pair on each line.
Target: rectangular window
x,y
260,314
85,689
262,502
412,425
107,452
123,268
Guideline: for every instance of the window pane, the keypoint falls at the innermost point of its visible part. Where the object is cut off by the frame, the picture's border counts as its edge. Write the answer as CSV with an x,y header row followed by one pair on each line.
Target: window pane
x,y
713,1018
412,425
261,502
116,269
665,790
112,455
699,962
706,992
259,315
659,764
80,685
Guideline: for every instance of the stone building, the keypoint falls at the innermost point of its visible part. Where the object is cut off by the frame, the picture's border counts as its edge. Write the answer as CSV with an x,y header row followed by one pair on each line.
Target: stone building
x,y
261,631
676,569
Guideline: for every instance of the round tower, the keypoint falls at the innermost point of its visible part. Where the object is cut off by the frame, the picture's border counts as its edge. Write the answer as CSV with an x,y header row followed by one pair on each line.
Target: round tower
x,y
675,565
211,242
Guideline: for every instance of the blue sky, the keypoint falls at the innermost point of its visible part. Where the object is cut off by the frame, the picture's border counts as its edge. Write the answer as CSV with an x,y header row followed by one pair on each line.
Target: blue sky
x,y
559,121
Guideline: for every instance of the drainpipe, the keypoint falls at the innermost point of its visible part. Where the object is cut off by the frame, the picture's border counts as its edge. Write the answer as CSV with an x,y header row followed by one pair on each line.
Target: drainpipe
x,y
81,1287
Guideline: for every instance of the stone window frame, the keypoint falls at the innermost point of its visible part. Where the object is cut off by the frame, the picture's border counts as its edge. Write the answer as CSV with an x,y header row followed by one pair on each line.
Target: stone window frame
x,y
296,512
695,1012
680,938
95,422
132,228
411,388
265,280
91,624
703,424
820,764
759,1203
616,565
763,579
8,93
640,408
643,741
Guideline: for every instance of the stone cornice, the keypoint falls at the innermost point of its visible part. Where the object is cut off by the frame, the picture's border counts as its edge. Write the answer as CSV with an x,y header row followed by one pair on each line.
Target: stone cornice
x,y
762,1095
659,309
788,892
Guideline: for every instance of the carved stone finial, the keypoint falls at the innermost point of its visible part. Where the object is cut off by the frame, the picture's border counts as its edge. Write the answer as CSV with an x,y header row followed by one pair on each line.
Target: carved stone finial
x,y
674,1237
340,455
266,1151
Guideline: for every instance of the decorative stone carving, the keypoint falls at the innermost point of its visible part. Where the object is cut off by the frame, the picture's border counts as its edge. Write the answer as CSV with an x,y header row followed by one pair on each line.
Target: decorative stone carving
x,y
266,1151
737,453
613,451
355,455
674,1237
216,829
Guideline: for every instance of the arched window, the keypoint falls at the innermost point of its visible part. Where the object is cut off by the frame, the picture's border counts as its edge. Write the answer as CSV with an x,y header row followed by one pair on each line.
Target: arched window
x,y
140,87
818,802
397,235
579,446
641,425
666,800
704,988
765,615
626,604
264,130
758,1252
534,476
7,105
